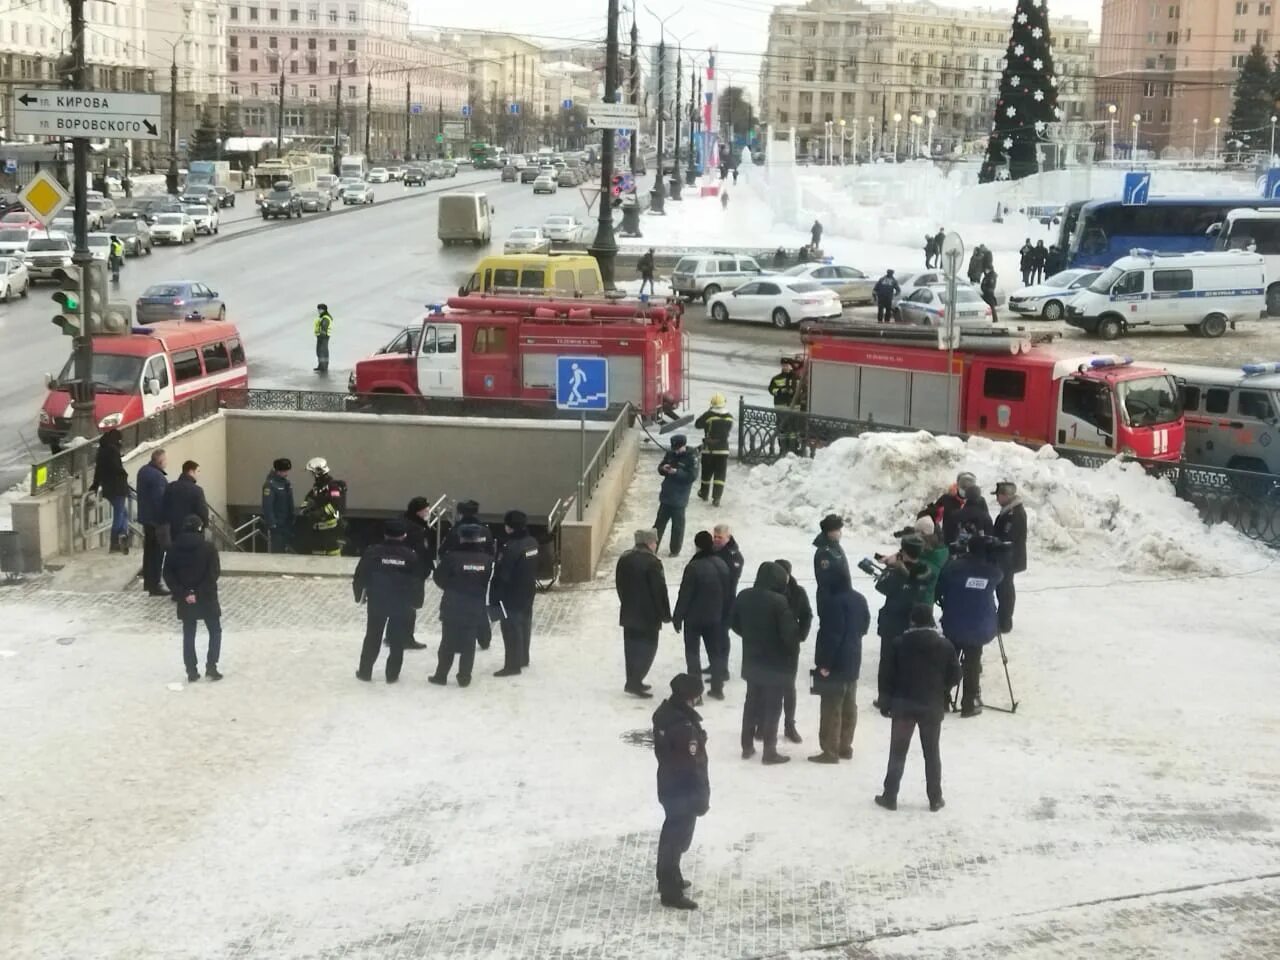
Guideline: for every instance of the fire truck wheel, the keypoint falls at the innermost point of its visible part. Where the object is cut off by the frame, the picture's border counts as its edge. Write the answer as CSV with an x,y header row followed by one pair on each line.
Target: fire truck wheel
x,y
711,290
719,312
781,319
1052,310
1109,328
1213,326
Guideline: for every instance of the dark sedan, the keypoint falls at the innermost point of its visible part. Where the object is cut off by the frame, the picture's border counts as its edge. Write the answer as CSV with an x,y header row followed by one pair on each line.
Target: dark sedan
x,y
179,300
415,177
281,203
529,174
226,196
313,201
134,233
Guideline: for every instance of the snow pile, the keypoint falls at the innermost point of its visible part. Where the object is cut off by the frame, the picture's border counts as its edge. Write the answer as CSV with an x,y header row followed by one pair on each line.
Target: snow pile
x,y
1116,517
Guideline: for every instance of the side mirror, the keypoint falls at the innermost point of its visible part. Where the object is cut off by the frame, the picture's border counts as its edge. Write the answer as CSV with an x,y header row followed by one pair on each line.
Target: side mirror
x,y
153,386
213,294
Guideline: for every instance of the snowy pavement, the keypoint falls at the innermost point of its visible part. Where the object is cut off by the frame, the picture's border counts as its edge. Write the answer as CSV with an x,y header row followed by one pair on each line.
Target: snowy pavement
x,y
1129,808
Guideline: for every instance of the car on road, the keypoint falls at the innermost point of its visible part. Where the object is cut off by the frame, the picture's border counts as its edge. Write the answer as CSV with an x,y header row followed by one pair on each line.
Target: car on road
x,y
173,228
528,174
200,194
927,306
436,170
909,282
346,183
179,300
545,183
705,276
148,208
1049,299
226,197
450,167
14,240
100,211
562,228
14,281
45,255
568,177
62,225
281,202
99,245
415,177
378,175
782,301
360,193
850,283
327,183
205,217
135,234
314,201
527,240
20,218
510,174
395,173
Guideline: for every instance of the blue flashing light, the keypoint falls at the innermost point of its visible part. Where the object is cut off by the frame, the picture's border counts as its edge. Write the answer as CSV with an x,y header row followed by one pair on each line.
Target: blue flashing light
x,y
1099,363
1253,369
143,331
435,309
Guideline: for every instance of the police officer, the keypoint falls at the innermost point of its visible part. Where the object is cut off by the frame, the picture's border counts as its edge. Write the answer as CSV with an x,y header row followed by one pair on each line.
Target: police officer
x,y
421,540
783,388
323,330
684,788
389,577
883,292
468,512
277,506
829,562
716,425
323,510
463,577
515,583
117,257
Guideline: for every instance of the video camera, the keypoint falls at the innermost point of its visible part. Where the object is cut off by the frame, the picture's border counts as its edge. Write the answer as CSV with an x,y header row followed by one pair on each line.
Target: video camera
x,y
871,568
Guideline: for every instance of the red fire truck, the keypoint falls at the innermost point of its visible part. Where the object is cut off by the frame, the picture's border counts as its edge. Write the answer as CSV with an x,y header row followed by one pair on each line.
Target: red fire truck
x,y
1002,385
506,347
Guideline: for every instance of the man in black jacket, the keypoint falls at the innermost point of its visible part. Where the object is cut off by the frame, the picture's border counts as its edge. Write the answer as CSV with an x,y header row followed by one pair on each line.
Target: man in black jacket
x,y
184,498
843,619
1010,528
1025,257
644,606
706,592
798,601
923,669
727,550
515,584
770,640
421,541
463,578
987,286
389,577
191,571
468,513
679,468
684,788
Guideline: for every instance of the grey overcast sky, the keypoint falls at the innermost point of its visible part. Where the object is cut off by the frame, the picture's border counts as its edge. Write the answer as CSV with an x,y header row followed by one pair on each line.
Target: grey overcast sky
x,y
738,28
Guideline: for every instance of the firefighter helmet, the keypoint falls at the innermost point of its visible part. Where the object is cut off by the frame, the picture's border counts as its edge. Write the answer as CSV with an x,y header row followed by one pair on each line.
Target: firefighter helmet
x,y
718,400
318,466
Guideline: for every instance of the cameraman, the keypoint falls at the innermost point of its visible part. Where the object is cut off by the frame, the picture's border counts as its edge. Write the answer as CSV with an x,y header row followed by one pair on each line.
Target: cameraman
x,y
905,583
967,594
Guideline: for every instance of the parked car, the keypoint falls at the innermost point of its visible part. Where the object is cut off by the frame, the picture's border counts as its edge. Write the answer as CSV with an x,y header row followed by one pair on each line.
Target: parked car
x,y
527,240
781,301
1049,299
100,211
14,281
378,175
510,173
347,183
359,193
562,228
173,228
852,285
927,306
135,234
179,300
205,217
415,177
396,172
705,276
568,177
545,183
313,201
281,202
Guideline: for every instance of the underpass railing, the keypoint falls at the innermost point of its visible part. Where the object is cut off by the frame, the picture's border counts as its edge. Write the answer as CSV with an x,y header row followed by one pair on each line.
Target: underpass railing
x,y
599,463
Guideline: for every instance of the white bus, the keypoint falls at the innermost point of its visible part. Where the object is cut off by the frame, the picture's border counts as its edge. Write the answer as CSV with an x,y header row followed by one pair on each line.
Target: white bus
x,y
1256,229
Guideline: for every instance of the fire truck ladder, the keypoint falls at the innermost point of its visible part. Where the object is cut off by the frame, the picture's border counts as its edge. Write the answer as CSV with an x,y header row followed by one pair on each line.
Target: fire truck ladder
x,y
1011,340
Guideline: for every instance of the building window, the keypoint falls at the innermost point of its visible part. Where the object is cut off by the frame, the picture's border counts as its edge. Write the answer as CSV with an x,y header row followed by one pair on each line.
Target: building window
x,y
273,64
782,114
253,89
333,68
233,13
233,41
253,66
273,14
233,64
275,89
1237,60
351,46
351,91
253,13
253,43
311,67
311,43
293,118
1148,89
311,90
1237,36
313,15
293,43
272,42
254,116
233,88
333,16
1242,8
293,66
333,45
293,15
351,15
351,67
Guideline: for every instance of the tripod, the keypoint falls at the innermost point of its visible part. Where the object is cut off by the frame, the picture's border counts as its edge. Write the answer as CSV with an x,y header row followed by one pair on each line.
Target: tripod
x,y
1004,661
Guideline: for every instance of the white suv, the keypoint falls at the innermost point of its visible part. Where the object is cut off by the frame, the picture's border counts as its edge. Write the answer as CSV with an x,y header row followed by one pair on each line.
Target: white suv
x,y
705,276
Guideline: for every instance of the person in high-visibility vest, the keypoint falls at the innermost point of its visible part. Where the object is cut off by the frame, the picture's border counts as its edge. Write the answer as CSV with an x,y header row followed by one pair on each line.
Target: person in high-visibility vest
x,y
323,330
716,425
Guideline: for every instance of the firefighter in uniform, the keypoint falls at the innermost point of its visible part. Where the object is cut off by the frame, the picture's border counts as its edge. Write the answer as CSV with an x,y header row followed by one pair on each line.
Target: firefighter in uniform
x,y
515,582
323,510
716,425
277,506
783,388
389,576
463,578
323,330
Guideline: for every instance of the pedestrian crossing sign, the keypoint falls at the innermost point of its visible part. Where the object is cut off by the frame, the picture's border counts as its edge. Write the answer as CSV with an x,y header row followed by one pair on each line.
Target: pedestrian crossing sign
x,y
582,383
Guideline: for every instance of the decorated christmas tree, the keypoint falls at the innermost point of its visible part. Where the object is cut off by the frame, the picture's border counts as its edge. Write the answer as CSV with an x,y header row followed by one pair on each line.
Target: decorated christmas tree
x,y
1028,97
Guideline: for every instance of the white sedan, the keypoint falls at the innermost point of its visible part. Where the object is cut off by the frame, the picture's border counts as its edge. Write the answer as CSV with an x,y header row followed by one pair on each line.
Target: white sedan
x,y
379,175
1049,298
850,283
928,305
546,183
173,228
779,300
527,240
204,216
562,228
14,281
357,193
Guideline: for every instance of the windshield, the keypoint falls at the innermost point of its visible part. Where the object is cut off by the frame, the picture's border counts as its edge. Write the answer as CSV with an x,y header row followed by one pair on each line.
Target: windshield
x,y
17,216
686,265
797,271
170,218
163,291
1063,279
9,236
1149,401
99,241
963,295
47,243
559,221
111,373
125,226
95,204
280,195
1105,279
196,209
524,234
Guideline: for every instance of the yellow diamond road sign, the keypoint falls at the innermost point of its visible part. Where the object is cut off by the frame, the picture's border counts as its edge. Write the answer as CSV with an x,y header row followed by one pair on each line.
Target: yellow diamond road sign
x,y
44,197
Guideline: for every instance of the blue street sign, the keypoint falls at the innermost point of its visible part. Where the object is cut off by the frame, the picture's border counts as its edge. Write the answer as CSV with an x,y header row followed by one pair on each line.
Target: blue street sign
x,y
567,104
1136,188
513,108
182,143
1272,188
623,141
10,165
582,383
415,108
466,109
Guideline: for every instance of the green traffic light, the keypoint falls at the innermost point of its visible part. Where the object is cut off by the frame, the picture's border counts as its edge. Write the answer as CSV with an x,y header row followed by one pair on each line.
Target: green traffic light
x,y
68,301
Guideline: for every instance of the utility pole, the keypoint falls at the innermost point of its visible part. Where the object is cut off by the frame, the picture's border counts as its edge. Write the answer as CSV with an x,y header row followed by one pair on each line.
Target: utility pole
x,y
635,95
280,115
77,50
440,125
676,107
337,133
605,248
83,422
368,117
691,174
657,195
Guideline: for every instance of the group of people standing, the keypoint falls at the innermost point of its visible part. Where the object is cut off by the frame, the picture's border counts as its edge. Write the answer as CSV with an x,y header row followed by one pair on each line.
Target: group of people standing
x,y
1036,262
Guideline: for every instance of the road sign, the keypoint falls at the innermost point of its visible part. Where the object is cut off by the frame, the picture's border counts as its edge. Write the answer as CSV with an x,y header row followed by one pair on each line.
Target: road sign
x,y
44,197
952,253
466,109
582,383
455,130
1271,189
566,104
415,108
182,143
439,138
1136,188
10,165
86,113
616,116
513,108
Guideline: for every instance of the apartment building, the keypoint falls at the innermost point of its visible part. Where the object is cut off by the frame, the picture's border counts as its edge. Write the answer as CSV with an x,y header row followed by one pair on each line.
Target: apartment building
x,y
865,62
191,35
506,88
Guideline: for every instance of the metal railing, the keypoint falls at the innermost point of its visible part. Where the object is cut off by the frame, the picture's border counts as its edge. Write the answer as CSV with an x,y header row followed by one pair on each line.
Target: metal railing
x,y
599,463
1249,502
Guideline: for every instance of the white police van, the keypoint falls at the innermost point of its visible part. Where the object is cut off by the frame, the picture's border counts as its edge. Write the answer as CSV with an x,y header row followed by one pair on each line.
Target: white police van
x,y
1204,292
1232,415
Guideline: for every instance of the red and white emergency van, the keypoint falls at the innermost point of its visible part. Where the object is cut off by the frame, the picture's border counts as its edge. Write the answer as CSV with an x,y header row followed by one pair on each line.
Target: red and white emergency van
x,y
506,348
1002,385
146,370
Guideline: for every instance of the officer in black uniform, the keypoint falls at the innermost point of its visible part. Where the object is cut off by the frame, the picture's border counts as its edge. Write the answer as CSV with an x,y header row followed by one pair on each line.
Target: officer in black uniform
x,y
323,330
463,577
515,583
389,577
716,425
422,541
468,512
277,506
783,388
684,787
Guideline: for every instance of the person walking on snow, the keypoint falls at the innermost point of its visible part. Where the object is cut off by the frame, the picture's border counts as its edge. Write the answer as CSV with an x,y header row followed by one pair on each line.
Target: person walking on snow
x,y
716,425
843,619
770,640
645,268
815,235
884,291
989,292
644,606
724,199
678,469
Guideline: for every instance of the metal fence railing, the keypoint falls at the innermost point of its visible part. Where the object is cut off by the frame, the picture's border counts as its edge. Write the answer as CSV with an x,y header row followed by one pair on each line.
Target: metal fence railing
x,y
599,463
1248,501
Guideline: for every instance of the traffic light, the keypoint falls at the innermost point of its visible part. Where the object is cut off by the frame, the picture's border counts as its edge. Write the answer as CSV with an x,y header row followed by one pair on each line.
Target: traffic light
x,y
95,300
616,184
71,319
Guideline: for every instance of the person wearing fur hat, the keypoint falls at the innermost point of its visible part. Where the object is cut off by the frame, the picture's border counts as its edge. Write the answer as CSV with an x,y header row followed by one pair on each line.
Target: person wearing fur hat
x,y
1010,528
684,786
716,425
830,565
515,584
389,577
278,508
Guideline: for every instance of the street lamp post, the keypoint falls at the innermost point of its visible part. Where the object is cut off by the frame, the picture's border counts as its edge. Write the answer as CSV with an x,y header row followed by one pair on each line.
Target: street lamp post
x,y
897,119
1137,121
171,178
1217,122
933,115
1195,127
871,139
280,114
842,125
1111,131
917,122
337,128
673,187
1271,160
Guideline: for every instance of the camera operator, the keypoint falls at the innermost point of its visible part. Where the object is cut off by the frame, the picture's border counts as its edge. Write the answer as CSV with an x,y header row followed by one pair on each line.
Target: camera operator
x,y
967,594
905,583
1010,528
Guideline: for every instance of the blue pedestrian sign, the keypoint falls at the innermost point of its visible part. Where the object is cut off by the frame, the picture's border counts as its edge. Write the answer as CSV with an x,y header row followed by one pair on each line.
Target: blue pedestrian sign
x,y
513,108
1271,190
466,109
582,383
415,108
1136,188
566,104
10,165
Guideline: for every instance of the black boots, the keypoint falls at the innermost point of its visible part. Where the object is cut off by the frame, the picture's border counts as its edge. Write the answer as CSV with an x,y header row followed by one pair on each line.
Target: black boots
x,y
192,674
889,803
211,671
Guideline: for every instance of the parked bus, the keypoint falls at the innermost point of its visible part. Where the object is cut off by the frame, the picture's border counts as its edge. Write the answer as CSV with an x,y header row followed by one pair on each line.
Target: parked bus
x,y
1252,228
1095,233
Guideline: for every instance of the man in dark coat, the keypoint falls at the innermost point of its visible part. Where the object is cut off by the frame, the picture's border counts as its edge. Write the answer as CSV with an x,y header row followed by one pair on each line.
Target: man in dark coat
x,y
784,387
706,594
679,468
684,788
468,513
111,480
1024,262
883,292
1039,257
727,550
421,540
829,562
967,594
191,570
644,606
1010,528
184,498
962,504
905,584
988,289
389,577
278,509
151,485
939,239
922,670
515,584
930,251
645,268
815,235
770,640
463,578
798,601
843,620
975,264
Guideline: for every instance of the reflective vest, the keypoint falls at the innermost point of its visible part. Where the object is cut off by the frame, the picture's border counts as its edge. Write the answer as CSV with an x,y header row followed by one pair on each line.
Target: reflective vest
x,y
117,248
324,325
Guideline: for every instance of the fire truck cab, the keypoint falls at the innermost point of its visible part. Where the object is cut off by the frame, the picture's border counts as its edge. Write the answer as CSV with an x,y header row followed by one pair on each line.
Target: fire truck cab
x,y
506,348
1001,385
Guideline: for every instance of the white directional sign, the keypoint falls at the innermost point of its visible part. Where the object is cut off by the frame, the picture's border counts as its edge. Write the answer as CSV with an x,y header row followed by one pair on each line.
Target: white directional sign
x,y
613,116
86,113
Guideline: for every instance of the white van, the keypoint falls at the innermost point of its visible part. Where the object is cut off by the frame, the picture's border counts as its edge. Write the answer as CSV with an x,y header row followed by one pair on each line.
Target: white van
x,y
1258,231
1232,414
1203,292
465,218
